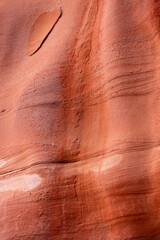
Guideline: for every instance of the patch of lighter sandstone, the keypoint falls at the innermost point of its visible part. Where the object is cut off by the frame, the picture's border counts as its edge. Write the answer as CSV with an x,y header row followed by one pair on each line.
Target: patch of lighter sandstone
x,y
20,183
111,162
104,164
2,163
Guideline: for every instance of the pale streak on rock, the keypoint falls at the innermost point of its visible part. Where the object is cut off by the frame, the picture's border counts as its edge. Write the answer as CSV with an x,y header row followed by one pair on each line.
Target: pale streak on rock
x,y
104,164
20,183
111,162
2,163
5,161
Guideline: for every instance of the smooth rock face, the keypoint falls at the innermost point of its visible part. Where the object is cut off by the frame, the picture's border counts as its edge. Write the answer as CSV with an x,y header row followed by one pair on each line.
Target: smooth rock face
x,y
41,29
80,120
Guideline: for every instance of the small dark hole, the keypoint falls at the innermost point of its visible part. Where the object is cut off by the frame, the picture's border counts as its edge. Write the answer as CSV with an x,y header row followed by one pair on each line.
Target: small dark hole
x,y
3,110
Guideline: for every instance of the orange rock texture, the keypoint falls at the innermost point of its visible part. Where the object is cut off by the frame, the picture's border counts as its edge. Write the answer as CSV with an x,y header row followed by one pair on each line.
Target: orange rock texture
x,y
80,120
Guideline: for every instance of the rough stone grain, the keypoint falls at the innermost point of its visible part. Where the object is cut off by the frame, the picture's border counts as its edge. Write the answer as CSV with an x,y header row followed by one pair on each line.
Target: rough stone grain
x,y
80,120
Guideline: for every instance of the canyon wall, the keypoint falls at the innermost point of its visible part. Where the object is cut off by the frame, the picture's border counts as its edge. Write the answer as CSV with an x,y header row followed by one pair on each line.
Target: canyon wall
x,y
80,120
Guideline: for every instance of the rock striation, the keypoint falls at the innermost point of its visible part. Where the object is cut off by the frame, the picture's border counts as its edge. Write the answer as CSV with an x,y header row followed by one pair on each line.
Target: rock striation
x,y
80,120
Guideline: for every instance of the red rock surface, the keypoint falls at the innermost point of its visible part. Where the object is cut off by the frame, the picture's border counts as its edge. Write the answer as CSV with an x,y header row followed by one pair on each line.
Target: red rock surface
x,y
80,121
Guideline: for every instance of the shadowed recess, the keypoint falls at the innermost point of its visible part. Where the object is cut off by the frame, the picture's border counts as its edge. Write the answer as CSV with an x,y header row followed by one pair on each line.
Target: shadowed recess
x,y
41,29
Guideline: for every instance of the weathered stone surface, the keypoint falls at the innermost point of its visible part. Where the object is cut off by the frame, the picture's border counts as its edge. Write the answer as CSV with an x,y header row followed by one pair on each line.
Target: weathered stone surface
x,y
80,121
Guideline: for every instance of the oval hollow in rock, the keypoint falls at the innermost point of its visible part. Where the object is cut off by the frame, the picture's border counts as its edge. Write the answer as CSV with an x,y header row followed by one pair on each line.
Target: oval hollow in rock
x,y
41,28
